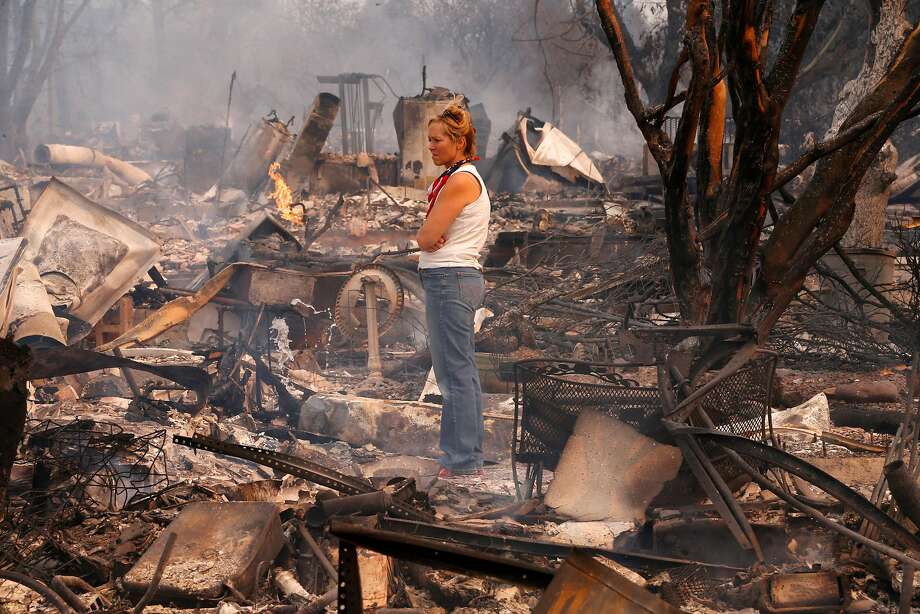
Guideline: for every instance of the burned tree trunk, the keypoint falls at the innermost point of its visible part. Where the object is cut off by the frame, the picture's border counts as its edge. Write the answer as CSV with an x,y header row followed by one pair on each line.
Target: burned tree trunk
x,y
889,28
29,45
14,364
724,268
868,226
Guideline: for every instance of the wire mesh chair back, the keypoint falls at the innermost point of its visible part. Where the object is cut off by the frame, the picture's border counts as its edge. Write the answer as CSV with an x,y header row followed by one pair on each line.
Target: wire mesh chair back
x,y
551,394
740,404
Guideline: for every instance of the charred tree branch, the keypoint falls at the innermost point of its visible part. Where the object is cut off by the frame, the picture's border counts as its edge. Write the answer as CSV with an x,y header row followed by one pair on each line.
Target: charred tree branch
x,y
868,287
822,213
680,217
658,142
799,29
794,169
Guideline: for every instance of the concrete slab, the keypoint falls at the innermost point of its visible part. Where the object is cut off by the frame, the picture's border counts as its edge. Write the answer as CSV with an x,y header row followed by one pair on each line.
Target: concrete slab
x,y
610,471
404,427
215,543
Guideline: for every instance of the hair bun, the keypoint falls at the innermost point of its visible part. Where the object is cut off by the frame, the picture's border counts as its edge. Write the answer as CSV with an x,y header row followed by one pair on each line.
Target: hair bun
x,y
458,122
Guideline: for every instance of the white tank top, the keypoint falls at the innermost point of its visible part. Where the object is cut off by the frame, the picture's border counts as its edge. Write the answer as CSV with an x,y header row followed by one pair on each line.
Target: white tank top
x,y
466,235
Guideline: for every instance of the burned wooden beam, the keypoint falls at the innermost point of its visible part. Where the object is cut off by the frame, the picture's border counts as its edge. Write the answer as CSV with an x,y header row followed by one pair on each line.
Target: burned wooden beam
x,y
57,362
71,155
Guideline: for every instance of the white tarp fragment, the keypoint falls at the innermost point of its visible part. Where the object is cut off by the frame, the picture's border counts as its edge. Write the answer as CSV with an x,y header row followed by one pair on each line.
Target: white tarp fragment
x,y
814,415
560,153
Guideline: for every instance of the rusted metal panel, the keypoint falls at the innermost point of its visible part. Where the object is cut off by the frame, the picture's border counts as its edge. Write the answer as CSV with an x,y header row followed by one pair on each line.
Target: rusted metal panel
x,y
249,169
274,287
822,591
585,585
216,544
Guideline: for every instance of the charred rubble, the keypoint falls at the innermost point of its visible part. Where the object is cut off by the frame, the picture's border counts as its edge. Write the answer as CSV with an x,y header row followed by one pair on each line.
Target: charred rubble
x,y
217,394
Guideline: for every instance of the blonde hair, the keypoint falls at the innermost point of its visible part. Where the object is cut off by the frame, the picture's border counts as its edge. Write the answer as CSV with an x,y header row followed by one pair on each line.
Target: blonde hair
x,y
458,123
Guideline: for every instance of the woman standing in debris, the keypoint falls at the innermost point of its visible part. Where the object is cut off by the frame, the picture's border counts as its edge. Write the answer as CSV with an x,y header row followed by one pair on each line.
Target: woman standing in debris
x,y
451,238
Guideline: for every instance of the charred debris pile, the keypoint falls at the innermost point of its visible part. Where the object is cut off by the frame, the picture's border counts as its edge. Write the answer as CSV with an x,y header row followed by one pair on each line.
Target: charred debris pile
x,y
217,394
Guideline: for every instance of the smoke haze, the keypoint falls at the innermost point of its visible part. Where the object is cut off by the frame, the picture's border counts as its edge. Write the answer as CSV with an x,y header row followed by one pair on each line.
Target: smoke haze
x,y
126,60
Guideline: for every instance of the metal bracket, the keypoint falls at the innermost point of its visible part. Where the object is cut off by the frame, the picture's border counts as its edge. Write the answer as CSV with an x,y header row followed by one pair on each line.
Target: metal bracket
x,y
350,600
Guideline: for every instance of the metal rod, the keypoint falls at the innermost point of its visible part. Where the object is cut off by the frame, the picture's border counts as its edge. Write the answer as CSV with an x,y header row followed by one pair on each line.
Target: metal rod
x,y
223,149
722,497
866,528
39,587
343,118
317,551
368,131
725,491
763,482
157,574
373,332
705,481
907,589
135,390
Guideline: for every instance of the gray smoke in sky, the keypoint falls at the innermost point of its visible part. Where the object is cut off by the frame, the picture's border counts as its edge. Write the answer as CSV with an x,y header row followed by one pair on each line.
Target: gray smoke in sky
x,y
126,60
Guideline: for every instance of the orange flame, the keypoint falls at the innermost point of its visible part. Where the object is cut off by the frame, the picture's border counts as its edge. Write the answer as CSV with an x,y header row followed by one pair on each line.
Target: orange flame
x,y
283,197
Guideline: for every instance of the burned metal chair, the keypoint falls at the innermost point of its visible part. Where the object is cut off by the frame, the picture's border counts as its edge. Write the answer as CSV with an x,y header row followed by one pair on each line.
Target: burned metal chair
x,y
722,426
551,394
736,401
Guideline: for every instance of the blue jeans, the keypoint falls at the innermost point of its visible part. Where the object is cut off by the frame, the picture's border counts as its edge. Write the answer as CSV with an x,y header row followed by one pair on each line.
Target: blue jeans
x,y
452,296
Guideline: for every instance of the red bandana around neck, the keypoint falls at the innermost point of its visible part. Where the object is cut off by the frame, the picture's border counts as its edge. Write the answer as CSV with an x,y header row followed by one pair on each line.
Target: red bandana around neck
x,y
442,179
